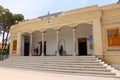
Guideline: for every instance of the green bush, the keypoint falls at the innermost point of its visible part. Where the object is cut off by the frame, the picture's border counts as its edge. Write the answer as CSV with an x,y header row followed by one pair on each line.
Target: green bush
x,y
5,52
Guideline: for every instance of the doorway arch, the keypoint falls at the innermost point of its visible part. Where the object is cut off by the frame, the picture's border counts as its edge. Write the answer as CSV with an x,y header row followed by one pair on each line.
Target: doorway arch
x,y
84,39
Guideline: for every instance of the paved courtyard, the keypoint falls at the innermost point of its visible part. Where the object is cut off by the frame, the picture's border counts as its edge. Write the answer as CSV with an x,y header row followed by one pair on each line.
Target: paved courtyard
x,y
17,74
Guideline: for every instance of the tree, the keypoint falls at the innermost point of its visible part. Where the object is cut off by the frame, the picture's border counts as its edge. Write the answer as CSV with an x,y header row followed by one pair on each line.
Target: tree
x,y
1,9
18,17
7,19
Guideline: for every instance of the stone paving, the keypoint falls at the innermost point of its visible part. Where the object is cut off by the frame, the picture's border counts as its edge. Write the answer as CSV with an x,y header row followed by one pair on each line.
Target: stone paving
x,y
116,66
17,74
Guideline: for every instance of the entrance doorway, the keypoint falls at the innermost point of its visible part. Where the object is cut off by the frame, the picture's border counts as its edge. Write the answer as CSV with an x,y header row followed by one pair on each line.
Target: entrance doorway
x,y
26,49
82,46
41,48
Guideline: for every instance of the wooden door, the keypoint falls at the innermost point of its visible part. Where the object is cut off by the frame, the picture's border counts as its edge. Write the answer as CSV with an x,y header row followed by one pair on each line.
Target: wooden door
x,y
82,46
26,49
113,37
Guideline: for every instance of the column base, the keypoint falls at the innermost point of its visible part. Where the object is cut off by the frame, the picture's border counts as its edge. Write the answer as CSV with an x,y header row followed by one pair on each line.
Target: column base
x,y
30,54
57,54
42,54
74,54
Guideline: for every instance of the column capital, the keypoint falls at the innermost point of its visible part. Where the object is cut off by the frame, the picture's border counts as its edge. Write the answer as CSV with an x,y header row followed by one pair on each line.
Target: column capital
x,y
19,33
96,21
73,29
57,31
43,33
30,33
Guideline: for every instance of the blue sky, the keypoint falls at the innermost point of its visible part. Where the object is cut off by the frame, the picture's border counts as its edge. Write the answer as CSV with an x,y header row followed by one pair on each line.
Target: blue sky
x,y
35,8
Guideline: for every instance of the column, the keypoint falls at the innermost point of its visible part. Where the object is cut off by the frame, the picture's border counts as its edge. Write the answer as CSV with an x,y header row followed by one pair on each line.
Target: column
x,y
97,38
18,44
30,50
57,43
74,47
11,46
22,54
43,34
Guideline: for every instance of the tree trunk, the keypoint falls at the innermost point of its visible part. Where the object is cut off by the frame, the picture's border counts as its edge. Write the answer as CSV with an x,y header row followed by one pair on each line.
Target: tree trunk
x,y
3,38
5,45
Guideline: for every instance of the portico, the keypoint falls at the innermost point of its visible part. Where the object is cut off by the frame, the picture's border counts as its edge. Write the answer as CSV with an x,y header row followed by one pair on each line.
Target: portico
x,y
49,41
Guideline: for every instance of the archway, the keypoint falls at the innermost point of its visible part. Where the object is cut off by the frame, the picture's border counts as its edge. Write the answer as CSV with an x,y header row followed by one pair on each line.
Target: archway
x,y
36,43
66,39
25,44
84,39
50,42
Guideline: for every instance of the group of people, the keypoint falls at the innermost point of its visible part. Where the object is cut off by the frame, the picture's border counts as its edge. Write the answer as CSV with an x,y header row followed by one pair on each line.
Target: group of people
x,y
37,51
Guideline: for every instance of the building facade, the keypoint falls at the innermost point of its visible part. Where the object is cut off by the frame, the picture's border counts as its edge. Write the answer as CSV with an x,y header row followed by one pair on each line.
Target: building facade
x,y
93,30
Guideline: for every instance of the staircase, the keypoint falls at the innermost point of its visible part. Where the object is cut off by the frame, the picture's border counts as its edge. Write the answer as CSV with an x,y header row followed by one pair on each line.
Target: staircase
x,y
78,65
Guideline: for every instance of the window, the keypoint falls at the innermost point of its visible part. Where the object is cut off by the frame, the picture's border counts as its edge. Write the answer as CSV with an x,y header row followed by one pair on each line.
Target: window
x,y
113,37
116,33
109,34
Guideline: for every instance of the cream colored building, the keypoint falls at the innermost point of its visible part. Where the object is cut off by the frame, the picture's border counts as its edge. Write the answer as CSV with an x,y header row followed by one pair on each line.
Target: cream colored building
x,y
93,30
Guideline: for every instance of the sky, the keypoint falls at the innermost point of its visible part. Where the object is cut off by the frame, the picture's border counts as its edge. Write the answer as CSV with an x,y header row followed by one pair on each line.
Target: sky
x,y
35,8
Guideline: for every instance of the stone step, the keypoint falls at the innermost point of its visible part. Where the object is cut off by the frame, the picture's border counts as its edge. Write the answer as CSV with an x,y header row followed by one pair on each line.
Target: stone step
x,y
40,61
51,57
56,65
76,72
35,61
61,64
54,59
47,63
63,67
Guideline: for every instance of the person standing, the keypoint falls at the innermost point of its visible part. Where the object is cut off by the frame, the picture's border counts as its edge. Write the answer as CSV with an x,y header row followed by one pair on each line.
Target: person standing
x,y
36,51
61,50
